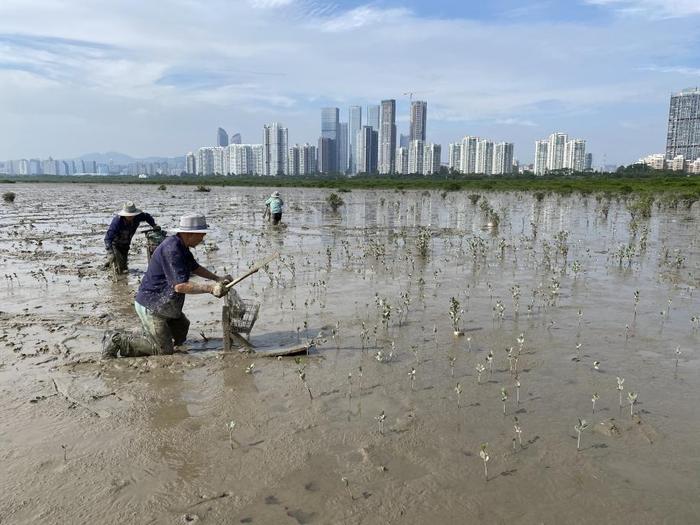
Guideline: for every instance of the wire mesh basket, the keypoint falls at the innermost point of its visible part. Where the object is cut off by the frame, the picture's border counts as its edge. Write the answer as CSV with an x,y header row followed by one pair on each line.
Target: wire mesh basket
x,y
242,314
153,239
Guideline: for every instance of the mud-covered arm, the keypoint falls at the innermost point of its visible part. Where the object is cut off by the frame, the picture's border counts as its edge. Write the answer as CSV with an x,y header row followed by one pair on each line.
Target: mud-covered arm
x,y
149,219
111,232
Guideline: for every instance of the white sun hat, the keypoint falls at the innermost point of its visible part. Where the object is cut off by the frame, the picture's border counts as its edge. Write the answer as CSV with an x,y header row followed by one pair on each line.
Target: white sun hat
x,y
192,223
129,210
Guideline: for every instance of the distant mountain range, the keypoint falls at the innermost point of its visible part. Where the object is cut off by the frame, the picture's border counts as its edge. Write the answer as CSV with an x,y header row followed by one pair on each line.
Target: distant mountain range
x,y
123,158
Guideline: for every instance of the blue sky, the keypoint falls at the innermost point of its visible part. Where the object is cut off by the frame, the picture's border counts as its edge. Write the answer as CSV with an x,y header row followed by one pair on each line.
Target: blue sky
x,y
158,78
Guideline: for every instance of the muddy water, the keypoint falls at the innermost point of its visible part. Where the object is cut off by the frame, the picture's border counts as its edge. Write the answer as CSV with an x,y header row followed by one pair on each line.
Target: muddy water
x,y
146,440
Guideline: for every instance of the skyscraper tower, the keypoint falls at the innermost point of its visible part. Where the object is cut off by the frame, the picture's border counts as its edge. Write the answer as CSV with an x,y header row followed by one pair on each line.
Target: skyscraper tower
x,y
367,139
330,124
419,118
683,136
221,138
387,137
556,151
275,149
373,117
342,147
354,126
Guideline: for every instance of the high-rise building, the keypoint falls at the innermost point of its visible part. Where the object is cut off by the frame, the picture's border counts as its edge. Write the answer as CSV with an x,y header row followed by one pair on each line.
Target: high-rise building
x,y
404,140
205,161
326,155
468,154
575,155
416,151
484,156
235,139
454,161
274,149
330,124
220,161
683,137
243,160
373,117
354,126
541,156
293,161
190,164
589,162
431,158
556,151
387,137
307,159
402,161
502,158
342,147
419,118
367,150
221,138
23,168
259,159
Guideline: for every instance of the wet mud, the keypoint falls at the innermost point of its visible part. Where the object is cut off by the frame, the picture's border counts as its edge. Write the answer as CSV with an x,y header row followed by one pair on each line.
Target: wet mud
x,y
150,440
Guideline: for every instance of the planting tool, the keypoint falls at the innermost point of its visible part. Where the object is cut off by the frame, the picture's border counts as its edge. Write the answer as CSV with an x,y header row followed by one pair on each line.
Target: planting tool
x,y
267,260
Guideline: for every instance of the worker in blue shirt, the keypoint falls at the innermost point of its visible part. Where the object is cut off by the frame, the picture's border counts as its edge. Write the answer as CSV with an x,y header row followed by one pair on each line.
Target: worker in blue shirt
x,y
120,232
274,207
161,295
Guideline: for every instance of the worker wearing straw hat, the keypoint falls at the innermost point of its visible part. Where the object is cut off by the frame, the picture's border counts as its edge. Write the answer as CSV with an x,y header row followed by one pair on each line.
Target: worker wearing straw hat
x,y
161,295
273,207
120,232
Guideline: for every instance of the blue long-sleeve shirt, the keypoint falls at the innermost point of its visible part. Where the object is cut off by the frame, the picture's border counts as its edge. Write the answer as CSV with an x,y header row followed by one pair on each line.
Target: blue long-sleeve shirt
x,y
275,204
120,232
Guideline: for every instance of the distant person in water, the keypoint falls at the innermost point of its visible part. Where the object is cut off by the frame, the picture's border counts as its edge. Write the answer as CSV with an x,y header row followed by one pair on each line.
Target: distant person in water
x,y
120,232
161,294
274,207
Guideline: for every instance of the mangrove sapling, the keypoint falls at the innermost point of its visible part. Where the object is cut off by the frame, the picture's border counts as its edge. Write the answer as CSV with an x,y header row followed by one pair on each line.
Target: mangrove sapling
x,y
518,431
636,302
596,365
412,377
349,385
517,392
504,398
594,398
380,420
231,426
489,360
302,376
458,390
580,427
678,355
521,343
347,487
620,388
479,370
65,453
250,369
484,455
632,399
452,365
9,196
455,312
469,343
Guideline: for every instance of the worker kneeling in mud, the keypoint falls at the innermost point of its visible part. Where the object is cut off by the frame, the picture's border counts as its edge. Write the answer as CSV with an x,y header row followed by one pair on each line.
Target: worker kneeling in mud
x,y
161,295
274,207
121,231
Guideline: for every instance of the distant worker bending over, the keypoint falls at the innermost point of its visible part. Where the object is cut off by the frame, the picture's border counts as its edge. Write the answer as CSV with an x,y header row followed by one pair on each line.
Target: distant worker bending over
x,y
274,207
161,296
120,232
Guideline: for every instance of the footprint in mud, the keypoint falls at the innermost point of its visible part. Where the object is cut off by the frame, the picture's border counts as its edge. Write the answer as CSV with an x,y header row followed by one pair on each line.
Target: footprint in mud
x,y
271,500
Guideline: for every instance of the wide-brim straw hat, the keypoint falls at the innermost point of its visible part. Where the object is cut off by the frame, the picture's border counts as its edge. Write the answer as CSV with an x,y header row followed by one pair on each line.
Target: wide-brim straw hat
x,y
193,223
129,210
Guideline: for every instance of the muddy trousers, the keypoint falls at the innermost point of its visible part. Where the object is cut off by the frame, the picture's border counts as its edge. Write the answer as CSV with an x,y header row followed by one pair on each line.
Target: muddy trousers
x,y
160,334
118,258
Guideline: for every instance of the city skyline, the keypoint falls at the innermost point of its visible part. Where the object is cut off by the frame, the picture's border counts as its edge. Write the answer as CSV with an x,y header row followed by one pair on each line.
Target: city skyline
x,y
119,82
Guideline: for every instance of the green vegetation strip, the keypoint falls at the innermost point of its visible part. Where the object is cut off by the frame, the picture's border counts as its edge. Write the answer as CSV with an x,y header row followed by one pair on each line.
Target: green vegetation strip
x,y
623,182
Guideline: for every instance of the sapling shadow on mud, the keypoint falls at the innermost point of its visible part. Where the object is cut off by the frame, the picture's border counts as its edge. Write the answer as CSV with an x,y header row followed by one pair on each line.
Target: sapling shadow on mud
x,y
484,455
580,427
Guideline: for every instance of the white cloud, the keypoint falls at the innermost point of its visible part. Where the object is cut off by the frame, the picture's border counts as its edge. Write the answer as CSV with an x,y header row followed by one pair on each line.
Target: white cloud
x,y
655,9
171,76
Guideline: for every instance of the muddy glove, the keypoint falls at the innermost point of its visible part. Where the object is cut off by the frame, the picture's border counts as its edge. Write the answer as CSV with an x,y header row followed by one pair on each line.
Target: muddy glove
x,y
219,289
156,228
226,278
110,256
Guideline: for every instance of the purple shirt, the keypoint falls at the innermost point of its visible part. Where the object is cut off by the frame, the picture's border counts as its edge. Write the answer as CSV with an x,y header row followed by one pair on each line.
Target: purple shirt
x,y
172,263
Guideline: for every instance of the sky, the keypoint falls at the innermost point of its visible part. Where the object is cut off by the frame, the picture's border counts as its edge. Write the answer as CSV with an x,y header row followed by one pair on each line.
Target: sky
x,y
157,78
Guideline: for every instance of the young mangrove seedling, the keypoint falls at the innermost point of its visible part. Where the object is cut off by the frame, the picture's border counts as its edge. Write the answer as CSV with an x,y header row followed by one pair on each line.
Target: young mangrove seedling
x,y
578,351
582,425
517,391
469,343
347,487
484,455
455,312
489,360
65,453
504,398
596,365
636,302
458,390
620,388
412,377
350,385
380,420
452,365
580,317
678,355
521,343
250,368
594,398
632,398
230,426
302,377
518,431
479,370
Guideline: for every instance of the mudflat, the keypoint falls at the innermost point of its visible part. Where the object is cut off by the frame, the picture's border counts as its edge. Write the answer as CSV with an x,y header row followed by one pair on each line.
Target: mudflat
x,y
551,306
